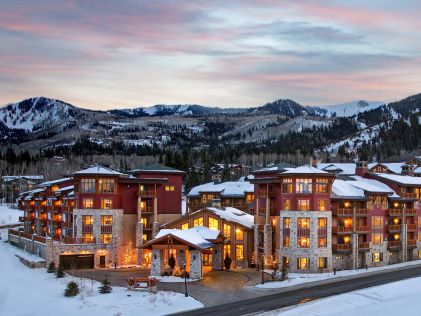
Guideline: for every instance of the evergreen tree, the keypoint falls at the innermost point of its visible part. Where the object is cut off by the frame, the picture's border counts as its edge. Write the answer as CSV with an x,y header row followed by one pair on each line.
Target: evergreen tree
x,y
72,289
60,271
105,287
51,267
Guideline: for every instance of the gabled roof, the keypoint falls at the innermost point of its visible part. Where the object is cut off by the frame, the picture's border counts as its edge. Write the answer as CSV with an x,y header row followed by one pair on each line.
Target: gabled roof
x,y
306,169
156,168
340,168
98,170
400,179
281,167
68,188
226,189
232,214
372,186
345,189
394,167
53,182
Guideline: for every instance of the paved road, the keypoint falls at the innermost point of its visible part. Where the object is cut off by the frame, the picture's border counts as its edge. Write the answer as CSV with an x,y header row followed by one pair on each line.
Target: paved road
x,y
285,297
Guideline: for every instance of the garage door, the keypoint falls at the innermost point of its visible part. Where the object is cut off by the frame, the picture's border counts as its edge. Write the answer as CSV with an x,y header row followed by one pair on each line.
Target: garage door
x,y
77,261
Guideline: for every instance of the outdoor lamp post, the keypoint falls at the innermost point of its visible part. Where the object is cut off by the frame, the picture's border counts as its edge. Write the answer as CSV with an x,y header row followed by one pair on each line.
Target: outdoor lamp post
x,y
185,280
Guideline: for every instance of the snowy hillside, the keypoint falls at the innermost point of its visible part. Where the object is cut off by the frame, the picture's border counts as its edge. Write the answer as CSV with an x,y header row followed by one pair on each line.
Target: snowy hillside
x,y
36,114
351,108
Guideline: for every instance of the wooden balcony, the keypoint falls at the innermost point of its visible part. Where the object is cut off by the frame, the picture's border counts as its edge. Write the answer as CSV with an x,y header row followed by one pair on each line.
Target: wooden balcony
x,y
342,230
408,195
363,246
362,229
72,240
395,212
394,244
343,212
341,247
410,212
361,212
106,229
412,243
87,229
394,228
147,193
412,227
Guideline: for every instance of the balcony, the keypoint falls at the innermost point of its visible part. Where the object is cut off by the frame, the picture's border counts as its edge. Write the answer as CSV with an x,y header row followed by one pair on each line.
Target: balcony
x,y
394,244
394,228
399,212
147,193
147,209
363,246
342,230
361,212
408,195
343,212
71,240
106,229
412,227
412,243
87,229
341,247
362,229
410,212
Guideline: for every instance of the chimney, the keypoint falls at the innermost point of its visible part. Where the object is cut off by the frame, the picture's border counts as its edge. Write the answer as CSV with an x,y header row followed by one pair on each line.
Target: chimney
x,y
314,161
407,170
361,168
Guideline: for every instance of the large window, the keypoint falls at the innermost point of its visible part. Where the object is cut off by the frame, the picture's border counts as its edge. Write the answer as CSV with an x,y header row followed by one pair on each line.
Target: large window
x,y
227,250
287,204
377,239
286,241
286,222
303,186
207,259
185,226
227,231
106,185
377,222
239,252
303,222
287,186
87,220
303,205
213,223
106,220
303,263
106,238
106,204
88,203
322,185
239,234
303,242
322,263
198,222
322,205
322,222
322,242
87,186
208,197
87,238
377,256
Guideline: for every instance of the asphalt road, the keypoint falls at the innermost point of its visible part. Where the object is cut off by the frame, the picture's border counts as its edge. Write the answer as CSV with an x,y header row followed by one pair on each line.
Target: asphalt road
x,y
322,289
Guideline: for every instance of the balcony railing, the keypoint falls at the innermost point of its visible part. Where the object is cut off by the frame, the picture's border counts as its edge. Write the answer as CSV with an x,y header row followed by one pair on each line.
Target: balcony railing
x,y
342,230
362,229
322,232
363,246
106,229
412,227
78,240
343,212
412,243
410,212
147,193
361,212
399,212
395,228
393,244
303,232
341,247
408,195
86,229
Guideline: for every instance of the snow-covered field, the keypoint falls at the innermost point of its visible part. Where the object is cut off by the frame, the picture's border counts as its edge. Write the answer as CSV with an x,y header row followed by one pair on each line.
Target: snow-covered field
x,y
9,215
25,291
299,278
398,298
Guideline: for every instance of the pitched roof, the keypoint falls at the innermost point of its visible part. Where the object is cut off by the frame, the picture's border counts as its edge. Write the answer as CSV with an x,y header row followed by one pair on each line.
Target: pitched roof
x,y
229,188
306,169
401,179
372,186
343,188
156,168
281,167
395,167
200,236
233,215
50,183
98,170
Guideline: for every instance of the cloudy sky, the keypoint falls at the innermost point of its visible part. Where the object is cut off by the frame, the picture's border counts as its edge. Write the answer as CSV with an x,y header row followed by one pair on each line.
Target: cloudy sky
x,y
115,54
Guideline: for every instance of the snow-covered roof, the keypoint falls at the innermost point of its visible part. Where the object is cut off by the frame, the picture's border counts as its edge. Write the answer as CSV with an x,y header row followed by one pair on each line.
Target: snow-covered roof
x,y
70,187
200,236
233,215
230,188
342,188
98,170
370,185
305,169
402,179
395,167
10,178
342,168
49,183
281,167
156,168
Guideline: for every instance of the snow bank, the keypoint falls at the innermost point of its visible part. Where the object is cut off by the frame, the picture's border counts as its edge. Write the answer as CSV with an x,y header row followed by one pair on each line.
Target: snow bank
x,y
9,215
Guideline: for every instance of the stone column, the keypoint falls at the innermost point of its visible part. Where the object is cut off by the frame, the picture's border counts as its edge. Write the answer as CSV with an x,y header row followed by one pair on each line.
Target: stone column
x,y
156,262
354,241
49,253
404,240
155,228
267,242
139,242
217,257
256,231
195,264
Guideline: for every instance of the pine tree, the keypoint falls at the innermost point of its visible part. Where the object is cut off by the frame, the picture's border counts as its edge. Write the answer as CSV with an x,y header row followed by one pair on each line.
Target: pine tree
x,y
71,290
60,271
51,267
105,287
284,273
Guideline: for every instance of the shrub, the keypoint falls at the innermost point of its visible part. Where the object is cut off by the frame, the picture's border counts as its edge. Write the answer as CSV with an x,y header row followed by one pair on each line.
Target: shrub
x,y
105,286
60,271
51,267
72,289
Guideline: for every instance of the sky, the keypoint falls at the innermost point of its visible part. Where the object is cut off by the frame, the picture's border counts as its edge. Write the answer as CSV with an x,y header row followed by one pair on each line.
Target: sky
x,y
124,54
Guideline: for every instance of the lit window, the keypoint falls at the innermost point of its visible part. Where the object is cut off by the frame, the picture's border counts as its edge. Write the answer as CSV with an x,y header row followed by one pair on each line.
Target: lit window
x,y
322,185
285,261
227,250
287,204
303,263
169,188
239,234
239,252
87,238
419,236
322,263
419,254
377,257
303,186
227,231
87,186
144,221
303,205
213,223
106,220
322,205
377,222
322,242
198,222
249,198
106,204
106,238
185,226
286,222
87,203
303,223
106,185
207,259
303,242
377,239
287,186
145,237
87,220
286,242
322,222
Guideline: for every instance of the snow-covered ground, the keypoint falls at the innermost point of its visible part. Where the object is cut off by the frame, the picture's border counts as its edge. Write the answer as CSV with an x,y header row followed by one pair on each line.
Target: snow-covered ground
x,y
25,291
9,215
299,278
397,298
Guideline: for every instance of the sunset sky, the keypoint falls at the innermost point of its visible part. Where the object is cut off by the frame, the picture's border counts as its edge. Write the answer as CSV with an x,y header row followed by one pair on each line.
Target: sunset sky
x,y
117,54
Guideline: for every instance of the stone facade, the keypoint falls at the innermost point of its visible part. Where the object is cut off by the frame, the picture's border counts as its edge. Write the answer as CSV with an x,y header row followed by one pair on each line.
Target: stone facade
x,y
195,264
313,252
157,262
217,257
29,245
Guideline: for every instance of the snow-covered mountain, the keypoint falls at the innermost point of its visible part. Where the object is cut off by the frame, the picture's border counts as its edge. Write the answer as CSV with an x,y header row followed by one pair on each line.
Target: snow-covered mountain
x,y
351,108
